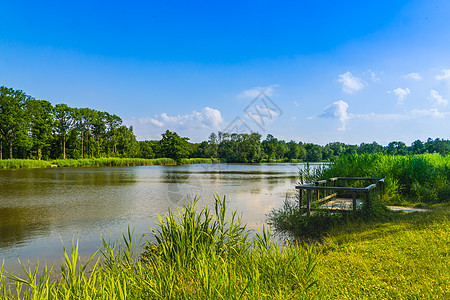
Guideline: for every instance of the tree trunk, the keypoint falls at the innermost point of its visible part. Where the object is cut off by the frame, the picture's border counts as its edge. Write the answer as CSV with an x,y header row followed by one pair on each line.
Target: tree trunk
x,y
82,143
64,146
10,150
39,153
1,150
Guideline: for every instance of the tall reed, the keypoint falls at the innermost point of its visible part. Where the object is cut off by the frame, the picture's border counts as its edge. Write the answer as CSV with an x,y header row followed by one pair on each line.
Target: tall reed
x,y
23,163
413,178
192,255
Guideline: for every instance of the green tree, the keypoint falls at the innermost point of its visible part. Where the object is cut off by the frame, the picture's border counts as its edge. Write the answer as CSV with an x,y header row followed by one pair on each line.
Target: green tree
x,y
293,150
127,145
12,117
145,149
173,146
417,147
41,124
313,152
270,146
63,123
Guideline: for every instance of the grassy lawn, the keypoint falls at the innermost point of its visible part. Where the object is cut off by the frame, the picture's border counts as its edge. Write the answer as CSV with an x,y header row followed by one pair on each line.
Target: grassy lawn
x,y
406,258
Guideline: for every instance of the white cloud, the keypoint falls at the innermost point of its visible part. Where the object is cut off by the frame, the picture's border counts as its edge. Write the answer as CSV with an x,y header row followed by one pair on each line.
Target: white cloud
x,y
445,76
156,123
195,125
414,75
212,117
409,115
350,83
374,77
337,110
296,104
436,98
401,94
255,91
432,112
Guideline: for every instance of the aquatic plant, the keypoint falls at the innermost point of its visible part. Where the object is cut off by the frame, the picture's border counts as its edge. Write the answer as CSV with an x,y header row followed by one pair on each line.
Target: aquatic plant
x,y
196,255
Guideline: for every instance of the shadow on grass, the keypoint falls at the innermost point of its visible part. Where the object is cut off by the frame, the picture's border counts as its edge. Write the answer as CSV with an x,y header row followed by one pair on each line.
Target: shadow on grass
x,y
288,222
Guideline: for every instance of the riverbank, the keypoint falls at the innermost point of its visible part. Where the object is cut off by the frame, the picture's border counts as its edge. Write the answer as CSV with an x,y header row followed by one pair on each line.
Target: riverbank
x,y
99,162
403,258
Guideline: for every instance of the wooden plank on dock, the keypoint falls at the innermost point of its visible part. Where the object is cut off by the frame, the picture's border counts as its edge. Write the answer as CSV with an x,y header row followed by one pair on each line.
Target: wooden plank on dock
x,y
341,204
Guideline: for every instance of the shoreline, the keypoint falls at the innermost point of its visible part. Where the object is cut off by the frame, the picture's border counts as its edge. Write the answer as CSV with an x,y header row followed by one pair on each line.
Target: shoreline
x,y
17,164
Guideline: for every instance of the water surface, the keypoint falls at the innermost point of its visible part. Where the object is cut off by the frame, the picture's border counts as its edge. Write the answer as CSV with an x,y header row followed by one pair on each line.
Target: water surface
x,y
40,208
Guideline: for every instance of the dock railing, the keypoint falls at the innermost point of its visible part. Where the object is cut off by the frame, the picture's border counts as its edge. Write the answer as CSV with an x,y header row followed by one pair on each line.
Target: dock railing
x,y
324,190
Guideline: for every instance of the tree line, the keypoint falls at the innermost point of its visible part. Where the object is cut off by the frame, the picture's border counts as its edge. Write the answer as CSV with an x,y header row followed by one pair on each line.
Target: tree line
x,y
249,148
31,128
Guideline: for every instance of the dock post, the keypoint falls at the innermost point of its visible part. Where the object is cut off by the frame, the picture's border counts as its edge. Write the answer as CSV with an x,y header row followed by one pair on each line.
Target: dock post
x,y
318,191
354,203
381,189
300,200
308,203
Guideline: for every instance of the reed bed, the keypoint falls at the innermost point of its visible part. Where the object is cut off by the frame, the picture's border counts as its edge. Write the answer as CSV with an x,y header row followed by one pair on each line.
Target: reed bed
x,y
413,179
23,164
112,162
192,255
190,161
100,162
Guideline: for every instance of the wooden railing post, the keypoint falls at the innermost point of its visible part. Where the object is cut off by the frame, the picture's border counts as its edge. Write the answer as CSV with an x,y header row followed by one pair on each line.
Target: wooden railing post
x,y
381,189
318,191
368,197
354,203
300,200
308,202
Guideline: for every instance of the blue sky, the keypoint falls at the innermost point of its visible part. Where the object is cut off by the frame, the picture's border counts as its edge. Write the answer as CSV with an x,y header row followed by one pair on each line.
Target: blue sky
x,y
349,71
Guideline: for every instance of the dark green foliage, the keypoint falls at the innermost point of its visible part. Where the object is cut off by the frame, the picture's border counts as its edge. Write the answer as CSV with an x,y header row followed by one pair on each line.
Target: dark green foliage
x,y
414,178
173,146
32,128
289,221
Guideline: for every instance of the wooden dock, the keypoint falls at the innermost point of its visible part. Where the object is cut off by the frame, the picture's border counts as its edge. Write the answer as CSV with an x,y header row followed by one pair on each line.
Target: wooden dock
x,y
334,193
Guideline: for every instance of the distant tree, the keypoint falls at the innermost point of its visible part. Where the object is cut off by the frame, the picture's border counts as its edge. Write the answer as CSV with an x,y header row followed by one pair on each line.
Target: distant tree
x,y
127,145
281,149
213,145
327,153
200,150
417,147
112,123
41,123
269,146
63,123
293,150
313,152
397,148
370,148
12,116
173,146
337,147
302,152
145,150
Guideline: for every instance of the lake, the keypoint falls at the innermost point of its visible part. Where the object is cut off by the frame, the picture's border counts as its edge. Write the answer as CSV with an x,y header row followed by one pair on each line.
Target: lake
x,y
41,208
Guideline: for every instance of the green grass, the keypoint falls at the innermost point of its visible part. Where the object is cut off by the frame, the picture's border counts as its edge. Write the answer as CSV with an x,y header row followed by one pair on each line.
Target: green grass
x,y
406,258
410,180
189,161
209,255
99,162
23,163
112,162
194,255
